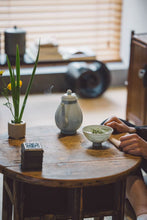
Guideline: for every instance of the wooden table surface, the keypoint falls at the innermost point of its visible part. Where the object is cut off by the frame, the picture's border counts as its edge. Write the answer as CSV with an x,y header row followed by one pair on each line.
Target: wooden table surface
x,y
68,162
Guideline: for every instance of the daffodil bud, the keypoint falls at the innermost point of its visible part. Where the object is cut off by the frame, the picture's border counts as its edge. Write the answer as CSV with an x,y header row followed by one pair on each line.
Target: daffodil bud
x,y
1,72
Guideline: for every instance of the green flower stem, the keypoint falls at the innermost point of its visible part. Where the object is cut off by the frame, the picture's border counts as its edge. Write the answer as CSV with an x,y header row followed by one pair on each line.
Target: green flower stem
x,y
17,85
29,87
12,80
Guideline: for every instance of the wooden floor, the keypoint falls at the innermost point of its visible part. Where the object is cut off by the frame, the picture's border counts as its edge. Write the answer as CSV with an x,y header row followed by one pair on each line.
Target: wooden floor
x,y
40,110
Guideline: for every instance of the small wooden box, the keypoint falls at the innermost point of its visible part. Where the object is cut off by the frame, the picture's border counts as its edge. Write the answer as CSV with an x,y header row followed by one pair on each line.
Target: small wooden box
x,y
31,156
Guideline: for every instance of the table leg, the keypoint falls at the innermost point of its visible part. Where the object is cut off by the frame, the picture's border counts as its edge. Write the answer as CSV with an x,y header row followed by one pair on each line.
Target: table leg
x,y
7,203
18,196
77,204
120,190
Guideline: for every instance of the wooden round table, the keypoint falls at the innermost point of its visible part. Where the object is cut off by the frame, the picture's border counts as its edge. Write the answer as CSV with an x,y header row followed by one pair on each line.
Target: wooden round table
x,y
76,181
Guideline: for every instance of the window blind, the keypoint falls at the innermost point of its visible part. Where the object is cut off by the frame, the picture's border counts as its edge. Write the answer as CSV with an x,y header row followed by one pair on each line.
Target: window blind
x,y
95,24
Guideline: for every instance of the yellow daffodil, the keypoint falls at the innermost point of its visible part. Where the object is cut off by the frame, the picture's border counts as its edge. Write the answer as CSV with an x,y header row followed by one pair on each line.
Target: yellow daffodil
x,y
1,72
9,85
20,83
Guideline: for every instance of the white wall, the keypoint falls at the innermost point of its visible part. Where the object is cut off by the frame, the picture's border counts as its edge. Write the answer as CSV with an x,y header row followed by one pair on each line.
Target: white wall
x,y
134,17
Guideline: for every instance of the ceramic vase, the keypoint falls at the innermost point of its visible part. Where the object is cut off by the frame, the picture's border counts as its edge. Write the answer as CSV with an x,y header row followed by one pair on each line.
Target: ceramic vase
x,y
16,130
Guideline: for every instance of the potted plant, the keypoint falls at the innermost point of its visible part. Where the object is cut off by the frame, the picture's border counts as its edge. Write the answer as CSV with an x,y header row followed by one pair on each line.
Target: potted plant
x,y
17,127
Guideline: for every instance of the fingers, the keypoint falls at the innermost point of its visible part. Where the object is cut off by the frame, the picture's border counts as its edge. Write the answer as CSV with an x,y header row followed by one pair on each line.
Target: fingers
x,y
130,144
112,124
113,119
131,149
134,152
115,125
129,137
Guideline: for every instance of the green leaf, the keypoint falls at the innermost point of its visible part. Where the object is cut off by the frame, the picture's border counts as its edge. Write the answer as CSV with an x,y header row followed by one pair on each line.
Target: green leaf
x,y
17,97
29,85
12,81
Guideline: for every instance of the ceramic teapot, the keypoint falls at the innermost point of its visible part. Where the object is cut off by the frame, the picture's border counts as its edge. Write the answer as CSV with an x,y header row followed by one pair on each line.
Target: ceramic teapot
x,y
68,116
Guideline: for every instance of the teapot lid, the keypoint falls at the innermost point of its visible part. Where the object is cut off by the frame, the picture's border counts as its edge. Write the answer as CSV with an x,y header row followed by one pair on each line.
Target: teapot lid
x,y
69,96
15,30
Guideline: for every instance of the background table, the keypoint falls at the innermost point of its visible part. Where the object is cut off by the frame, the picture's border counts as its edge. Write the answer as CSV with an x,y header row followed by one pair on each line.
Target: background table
x,y
76,181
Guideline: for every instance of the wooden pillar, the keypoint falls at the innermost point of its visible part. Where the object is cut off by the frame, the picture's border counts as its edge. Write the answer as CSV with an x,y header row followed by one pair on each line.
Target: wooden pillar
x,y
77,204
7,199
120,200
18,195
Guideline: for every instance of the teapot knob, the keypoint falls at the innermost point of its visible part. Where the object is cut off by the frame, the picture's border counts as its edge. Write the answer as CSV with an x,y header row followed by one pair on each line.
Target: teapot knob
x,y
69,92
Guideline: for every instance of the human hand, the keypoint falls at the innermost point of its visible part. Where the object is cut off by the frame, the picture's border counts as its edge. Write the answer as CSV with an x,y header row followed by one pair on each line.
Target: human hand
x,y
118,125
134,144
